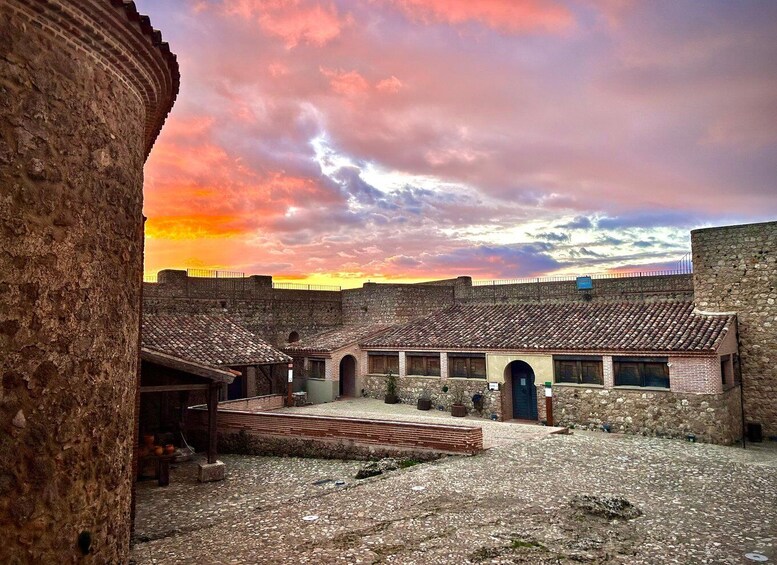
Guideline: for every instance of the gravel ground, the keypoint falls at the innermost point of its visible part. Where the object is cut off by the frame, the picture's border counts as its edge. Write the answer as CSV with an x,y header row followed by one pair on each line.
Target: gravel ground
x,y
512,504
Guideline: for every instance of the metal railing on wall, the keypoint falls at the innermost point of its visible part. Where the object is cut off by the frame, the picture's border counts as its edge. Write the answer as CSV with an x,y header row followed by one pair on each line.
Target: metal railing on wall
x,y
301,286
685,268
208,274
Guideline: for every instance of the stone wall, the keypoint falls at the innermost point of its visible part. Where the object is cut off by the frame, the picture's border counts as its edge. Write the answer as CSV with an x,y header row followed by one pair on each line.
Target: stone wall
x,y
631,288
713,418
85,86
250,301
394,303
410,389
735,269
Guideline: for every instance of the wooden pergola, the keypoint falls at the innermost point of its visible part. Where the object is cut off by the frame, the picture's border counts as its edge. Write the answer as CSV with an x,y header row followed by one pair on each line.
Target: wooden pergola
x,y
162,373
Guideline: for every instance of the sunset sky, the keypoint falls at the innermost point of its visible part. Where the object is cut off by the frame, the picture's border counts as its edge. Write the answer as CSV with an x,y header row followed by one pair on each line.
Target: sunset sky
x,y
341,141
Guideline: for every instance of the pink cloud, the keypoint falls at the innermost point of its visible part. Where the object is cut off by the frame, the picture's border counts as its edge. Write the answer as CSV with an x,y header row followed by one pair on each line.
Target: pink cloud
x,y
505,15
440,138
348,83
295,21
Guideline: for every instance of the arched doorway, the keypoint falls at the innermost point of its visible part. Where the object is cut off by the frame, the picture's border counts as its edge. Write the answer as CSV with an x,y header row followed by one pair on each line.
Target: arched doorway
x,y
348,376
524,392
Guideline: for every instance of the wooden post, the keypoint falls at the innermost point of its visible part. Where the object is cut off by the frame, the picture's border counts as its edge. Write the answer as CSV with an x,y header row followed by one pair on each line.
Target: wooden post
x,y
548,404
213,405
290,386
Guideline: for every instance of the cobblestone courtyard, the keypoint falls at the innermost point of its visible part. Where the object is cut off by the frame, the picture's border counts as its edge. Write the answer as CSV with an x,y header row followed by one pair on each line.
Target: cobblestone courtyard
x,y
700,504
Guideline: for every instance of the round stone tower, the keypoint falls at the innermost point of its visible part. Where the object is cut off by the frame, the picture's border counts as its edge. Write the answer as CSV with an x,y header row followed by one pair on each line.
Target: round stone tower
x,y
85,86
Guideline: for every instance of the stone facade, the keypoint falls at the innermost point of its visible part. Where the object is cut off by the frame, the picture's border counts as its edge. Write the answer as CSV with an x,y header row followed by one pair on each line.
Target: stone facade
x,y
735,269
84,89
411,388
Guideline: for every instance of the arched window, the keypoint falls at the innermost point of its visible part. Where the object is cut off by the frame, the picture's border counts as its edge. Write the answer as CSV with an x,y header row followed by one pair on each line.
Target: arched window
x,y
293,336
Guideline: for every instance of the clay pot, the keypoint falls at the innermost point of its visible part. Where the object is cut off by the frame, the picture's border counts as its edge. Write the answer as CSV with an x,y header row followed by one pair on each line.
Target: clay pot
x,y
159,450
169,449
458,410
148,439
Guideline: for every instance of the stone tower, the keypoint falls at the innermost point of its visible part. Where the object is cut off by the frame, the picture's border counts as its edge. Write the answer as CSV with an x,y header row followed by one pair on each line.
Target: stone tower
x,y
85,86
735,270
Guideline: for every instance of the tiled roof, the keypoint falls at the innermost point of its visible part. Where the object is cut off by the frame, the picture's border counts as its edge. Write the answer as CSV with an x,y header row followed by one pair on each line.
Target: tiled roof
x,y
209,339
656,326
334,339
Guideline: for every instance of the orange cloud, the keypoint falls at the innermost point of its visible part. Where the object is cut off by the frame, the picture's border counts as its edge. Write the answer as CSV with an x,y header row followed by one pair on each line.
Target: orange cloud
x,y
506,15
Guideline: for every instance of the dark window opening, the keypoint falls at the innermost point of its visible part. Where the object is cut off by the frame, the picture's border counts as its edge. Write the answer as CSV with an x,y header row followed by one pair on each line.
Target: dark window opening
x,y
293,336
578,370
641,372
317,368
726,371
467,367
425,365
382,364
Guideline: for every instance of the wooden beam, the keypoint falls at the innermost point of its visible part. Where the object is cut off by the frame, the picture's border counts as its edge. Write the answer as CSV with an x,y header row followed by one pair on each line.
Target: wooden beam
x,y
213,405
174,388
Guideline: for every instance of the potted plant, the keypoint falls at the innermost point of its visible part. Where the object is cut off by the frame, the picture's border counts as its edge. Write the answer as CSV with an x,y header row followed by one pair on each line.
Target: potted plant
x,y
424,401
457,407
391,389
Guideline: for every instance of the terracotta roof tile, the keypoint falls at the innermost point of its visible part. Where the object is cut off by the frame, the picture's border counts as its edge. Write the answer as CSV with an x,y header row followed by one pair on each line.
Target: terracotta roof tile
x,y
156,121
656,326
209,339
334,339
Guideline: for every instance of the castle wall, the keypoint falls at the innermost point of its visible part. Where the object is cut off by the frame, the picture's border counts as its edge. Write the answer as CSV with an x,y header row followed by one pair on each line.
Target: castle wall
x,y
621,289
83,93
394,303
250,301
735,270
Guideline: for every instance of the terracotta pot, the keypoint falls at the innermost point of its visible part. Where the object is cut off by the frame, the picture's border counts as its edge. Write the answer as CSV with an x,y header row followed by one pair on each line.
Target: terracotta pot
x,y
458,410
148,439
169,449
391,399
424,404
159,450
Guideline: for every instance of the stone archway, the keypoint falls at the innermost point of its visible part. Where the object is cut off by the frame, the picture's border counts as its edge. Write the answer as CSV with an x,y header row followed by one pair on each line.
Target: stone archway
x,y
521,391
347,376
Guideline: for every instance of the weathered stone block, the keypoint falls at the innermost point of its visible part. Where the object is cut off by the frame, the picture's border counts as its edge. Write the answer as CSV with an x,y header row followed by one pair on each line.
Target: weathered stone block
x,y
209,472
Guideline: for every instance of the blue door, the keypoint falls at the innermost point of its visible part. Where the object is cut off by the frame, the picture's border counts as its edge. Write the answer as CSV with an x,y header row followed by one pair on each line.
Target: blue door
x,y
524,391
